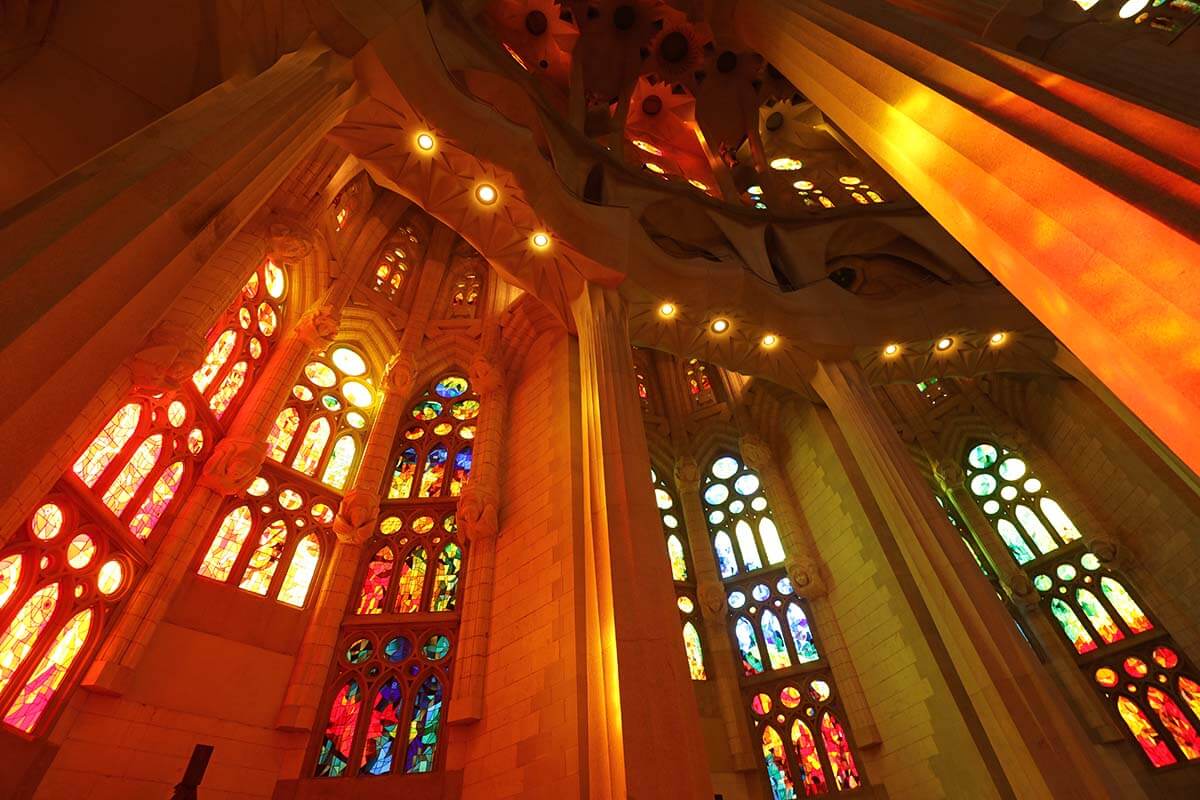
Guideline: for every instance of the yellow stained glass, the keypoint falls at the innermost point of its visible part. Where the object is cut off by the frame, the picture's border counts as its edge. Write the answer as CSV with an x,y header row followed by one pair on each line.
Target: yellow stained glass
x,y
152,508
48,675
47,522
678,562
10,574
348,361
276,280
226,545
110,577
695,655
131,476
300,572
265,558
23,632
104,448
282,433
313,446
216,357
340,461
230,386
358,394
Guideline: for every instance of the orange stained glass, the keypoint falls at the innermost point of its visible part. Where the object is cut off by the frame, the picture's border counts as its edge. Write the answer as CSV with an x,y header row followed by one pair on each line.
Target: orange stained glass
x,y
412,581
313,447
230,386
276,280
1175,722
282,433
218,561
104,448
375,582
265,559
812,774
1072,627
216,357
403,475
47,522
152,508
1189,690
1129,610
695,654
23,632
435,473
10,575
131,476
1139,725
48,675
337,471
837,750
1098,615
300,572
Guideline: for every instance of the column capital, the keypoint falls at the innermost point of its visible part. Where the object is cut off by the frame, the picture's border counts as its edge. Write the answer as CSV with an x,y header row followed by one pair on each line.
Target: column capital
x,y
805,574
319,324
687,475
356,516
487,376
478,513
167,358
755,452
233,464
400,374
1021,590
949,474
288,238
712,598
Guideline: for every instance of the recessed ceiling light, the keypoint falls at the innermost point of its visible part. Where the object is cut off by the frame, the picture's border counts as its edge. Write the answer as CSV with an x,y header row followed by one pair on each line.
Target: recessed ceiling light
x,y
998,337
945,343
655,168
770,340
786,164
667,309
850,180
719,325
540,240
486,193
425,141
891,350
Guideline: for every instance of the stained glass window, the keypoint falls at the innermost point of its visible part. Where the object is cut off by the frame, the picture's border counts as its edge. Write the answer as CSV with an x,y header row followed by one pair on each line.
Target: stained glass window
x,y
699,383
438,437
322,429
395,267
272,522
1134,663
671,516
790,694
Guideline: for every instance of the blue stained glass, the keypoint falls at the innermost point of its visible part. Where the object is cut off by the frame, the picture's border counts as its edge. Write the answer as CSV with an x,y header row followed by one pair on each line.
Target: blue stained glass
x,y
451,387
747,641
806,648
725,558
380,745
423,731
437,647
397,648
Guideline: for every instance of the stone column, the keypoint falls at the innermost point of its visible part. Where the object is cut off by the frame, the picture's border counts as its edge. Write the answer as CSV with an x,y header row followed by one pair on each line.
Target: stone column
x,y
94,258
720,659
1005,179
641,710
806,571
235,461
1037,749
354,525
479,522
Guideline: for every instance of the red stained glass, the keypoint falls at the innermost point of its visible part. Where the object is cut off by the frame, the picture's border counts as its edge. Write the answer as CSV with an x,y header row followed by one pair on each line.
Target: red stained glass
x,y
1139,725
1190,691
334,755
282,433
24,629
1175,722
375,583
837,749
107,444
131,476
152,508
812,776
48,675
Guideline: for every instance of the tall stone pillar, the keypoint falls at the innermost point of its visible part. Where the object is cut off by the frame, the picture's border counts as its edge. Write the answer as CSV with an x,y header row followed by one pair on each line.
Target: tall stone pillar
x,y
641,710
479,523
1035,748
353,526
234,462
93,259
1000,150
719,658
806,572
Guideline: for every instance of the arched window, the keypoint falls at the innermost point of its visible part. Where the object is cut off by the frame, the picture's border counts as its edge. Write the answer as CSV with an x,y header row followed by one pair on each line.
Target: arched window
x,y
434,454
1132,660
270,539
671,516
322,430
70,562
792,699
402,676
700,385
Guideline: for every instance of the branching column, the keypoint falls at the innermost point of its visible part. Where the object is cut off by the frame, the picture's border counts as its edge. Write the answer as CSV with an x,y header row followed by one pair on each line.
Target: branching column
x,y
234,462
641,711
806,572
479,523
1036,743
353,526
720,658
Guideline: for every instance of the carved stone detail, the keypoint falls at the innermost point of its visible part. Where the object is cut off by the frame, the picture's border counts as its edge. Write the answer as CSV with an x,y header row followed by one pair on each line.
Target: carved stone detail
x,y
168,357
712,598
1109,551
1021,590
687,475
805,575
486,374
478,513
318,326
356,516
233,464
289,239
756,452
400,374
950,475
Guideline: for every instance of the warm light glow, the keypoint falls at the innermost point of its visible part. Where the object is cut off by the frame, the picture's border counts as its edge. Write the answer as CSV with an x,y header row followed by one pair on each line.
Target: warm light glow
x,y
761,206
1132,8
701,186
1086,5
803,186
667,309
649,148
998,338
540,240
945,343
425,141
755,189
849,180
891,350
786,164
655,168
770,340
486,193
719,325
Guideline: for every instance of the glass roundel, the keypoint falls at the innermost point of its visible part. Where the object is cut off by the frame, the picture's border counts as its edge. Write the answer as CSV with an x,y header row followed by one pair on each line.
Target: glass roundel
x,y
435,454
744,535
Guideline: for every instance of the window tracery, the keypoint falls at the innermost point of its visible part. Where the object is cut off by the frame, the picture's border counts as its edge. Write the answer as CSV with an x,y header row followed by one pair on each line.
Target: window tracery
x,y
434,454
322,430
685,583
397,264
700,384
1145,680
786,683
